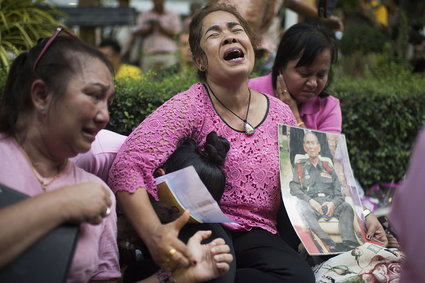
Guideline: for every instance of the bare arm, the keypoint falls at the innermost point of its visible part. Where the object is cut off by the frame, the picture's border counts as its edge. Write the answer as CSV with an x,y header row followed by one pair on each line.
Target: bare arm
x,y
29,220
159,238
303,8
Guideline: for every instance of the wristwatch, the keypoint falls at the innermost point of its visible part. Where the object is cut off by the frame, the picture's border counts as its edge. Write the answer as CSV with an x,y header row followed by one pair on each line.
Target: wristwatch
x,y
366,212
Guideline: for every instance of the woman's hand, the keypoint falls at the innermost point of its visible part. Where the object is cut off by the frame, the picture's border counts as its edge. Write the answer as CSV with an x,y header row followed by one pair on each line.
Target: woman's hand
x,y
283,94
213,259
333,23
167,250
375,230
87,202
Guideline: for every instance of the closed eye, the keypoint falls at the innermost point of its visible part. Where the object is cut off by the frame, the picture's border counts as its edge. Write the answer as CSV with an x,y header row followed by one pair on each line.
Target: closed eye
x,y
214,34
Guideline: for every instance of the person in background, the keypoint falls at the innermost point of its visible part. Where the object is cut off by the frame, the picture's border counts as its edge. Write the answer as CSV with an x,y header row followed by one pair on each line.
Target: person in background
x,y
222,46
407,205
112,51
158,28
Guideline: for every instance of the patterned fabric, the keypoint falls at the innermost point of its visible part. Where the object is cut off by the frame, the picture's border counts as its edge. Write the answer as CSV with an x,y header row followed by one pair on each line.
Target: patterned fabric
x,y
96,254
252,193
323,114
368,263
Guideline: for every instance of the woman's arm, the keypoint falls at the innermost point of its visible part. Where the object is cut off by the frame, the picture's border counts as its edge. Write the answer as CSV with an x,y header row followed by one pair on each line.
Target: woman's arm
x,y
159,238
131,175
29,220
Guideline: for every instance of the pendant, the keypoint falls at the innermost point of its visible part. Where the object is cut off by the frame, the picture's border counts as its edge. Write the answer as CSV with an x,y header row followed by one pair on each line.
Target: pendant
x,y
249,130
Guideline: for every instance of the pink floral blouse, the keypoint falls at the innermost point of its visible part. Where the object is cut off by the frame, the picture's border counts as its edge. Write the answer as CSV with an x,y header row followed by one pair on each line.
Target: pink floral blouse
x,y
252,193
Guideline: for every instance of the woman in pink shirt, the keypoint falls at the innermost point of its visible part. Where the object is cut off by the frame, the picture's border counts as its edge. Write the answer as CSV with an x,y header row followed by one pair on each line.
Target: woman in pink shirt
x,y
299,78
55,103
223,50
300,74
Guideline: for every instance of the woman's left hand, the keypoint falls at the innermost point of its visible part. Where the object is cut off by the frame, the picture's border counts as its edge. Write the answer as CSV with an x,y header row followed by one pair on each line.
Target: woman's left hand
x,y
375,230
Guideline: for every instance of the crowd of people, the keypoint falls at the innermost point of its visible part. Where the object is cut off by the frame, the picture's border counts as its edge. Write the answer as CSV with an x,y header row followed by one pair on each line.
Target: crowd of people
x,y
52,118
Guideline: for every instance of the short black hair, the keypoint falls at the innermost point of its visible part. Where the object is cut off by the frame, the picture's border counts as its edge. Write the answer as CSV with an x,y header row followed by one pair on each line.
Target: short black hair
x,y
305,41
109,42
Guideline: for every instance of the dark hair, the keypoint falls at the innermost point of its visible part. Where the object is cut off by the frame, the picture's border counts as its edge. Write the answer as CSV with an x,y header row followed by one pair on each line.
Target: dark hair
x,y
195,29
109,42
207,162
61,60
305,41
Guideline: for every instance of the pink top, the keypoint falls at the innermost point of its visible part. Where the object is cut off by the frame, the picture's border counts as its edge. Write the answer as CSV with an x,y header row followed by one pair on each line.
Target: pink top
x,y
321,113
252,191
96,255
406,216
99,158
157,41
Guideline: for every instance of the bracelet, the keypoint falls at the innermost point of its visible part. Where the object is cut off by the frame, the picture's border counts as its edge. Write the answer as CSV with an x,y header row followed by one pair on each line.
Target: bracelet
x,y
366,212
301,124
165,276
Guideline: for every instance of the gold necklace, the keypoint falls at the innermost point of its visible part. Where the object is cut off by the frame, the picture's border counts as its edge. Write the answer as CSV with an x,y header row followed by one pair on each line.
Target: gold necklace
x,y
37,175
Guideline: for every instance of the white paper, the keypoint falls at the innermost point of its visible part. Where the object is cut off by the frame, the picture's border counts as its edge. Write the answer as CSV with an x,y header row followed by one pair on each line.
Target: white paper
x,y
193,195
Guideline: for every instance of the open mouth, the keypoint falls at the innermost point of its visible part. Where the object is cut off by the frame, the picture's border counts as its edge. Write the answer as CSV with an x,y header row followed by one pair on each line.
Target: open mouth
x,y
233,53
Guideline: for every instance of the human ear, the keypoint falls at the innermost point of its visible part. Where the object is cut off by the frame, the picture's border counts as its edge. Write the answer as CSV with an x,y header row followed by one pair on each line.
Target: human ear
x,y
40,95
201,63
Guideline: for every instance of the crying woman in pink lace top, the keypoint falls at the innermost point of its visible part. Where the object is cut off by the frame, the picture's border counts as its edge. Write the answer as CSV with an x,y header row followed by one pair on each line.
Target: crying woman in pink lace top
x,y
222,48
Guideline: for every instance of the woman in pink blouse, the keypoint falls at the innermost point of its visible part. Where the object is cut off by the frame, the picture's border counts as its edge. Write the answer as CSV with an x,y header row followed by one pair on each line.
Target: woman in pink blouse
x,y
300,75
222,47
299,78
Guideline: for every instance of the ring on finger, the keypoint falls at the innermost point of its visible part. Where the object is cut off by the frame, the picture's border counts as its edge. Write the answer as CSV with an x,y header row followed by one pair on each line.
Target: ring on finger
x,y
108,211
172,251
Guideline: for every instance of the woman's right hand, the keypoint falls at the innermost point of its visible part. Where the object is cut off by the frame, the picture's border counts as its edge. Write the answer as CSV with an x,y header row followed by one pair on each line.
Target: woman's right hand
x,y
85,202
167,250
283,94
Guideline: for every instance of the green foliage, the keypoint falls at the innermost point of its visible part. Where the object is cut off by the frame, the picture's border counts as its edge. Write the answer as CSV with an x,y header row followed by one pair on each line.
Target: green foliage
x,y
22,23
382,114
363,39
136,99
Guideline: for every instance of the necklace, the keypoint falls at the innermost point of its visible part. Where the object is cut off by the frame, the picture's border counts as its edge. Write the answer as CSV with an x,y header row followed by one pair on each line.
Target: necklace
x,y
44,184
249,129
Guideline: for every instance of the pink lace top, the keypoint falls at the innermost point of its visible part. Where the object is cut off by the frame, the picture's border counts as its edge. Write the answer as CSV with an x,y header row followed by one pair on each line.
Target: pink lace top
x,y
252,192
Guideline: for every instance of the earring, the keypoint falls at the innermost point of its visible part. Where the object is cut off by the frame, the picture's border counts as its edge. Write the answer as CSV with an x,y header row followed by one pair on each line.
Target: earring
x,y
42,108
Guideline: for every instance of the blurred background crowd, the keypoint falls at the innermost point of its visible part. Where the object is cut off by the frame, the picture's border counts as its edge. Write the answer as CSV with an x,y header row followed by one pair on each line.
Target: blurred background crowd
x,y
153,34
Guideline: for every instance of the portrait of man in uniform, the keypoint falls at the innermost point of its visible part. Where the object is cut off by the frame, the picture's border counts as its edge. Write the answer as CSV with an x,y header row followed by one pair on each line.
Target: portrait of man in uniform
x,y
317,188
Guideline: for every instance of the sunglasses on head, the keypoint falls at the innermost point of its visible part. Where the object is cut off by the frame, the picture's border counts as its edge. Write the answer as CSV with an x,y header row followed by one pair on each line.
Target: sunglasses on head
x,y
49,43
